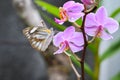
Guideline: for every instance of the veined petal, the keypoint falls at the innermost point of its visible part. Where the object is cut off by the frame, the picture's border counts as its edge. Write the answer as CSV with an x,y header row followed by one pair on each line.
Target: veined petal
x,y
105,36
111,25
61,49
77,39
75,48
74,12
72,17
57,39
101,15
91,20
68,4
59,21
75,8
68,32
91,31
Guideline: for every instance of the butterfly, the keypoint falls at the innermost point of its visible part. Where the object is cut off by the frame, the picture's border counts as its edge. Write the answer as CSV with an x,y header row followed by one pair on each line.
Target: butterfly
x,y
39,37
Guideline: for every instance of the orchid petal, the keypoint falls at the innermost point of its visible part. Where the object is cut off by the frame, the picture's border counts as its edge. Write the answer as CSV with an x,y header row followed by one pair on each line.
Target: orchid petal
x,y
68,4
68,32
91,20
111,25
77,39
101,15
105,36
75,48
61,49
59,21
58,39
91,31
75,8
72,17
74,12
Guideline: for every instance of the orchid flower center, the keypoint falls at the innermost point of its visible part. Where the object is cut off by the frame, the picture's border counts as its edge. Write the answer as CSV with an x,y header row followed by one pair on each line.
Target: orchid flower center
x,y
65,43
63,14
99,31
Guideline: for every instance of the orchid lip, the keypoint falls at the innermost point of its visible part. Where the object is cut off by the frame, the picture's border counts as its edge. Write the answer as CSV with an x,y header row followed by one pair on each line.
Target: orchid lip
x,y
63,14
99,31
67,45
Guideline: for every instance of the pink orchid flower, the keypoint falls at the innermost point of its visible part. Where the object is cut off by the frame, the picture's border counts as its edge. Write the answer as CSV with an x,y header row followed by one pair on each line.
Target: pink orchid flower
x,y
68,40
100,25
70,11
88,2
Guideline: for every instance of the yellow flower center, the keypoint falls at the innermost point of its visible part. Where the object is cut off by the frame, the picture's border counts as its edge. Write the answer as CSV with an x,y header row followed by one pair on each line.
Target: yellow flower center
x,y
63,14
98,32
66,47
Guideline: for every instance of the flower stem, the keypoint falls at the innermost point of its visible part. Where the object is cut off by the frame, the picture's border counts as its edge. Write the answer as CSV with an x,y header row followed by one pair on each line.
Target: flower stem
x,y
76,25
97,67
85,40
85,46
75,70
97,60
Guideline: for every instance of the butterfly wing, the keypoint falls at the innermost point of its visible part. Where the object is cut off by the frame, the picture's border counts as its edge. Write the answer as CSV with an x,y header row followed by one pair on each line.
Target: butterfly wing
x,y
48,40
39,37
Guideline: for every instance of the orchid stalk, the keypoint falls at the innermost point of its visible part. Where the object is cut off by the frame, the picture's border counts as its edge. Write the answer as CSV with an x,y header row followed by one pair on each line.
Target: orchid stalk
x,y
97,24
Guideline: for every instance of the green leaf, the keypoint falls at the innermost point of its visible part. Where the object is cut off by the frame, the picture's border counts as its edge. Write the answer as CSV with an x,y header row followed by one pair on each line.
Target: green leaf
x,y
116,77
110,51
52,22
88,70
86,67
115,13
79,21
48,7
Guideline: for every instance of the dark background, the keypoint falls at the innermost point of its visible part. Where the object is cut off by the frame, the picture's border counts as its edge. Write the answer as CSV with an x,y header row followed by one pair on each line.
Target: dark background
x,y
18,60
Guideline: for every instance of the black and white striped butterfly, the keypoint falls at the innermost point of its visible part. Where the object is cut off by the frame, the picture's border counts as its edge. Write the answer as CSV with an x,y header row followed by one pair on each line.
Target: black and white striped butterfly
x,y
39,37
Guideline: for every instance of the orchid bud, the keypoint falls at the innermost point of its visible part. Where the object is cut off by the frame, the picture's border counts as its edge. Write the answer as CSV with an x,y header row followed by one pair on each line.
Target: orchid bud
x,y
88,2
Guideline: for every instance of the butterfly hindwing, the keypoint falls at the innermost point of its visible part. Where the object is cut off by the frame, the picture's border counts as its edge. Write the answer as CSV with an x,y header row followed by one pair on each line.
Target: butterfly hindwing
x,y
48,40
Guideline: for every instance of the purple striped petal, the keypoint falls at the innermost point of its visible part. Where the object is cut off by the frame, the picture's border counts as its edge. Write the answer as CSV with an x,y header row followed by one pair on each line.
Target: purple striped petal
x,y
61,49
68,4
75,48
91,31
59,21
91,20
77,39
75,16
101,15
105,36
58,39
111,25
68,33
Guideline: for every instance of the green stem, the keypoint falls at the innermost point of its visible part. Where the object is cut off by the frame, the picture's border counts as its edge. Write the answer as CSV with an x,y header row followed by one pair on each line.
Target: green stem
x,y
97,67
97,61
